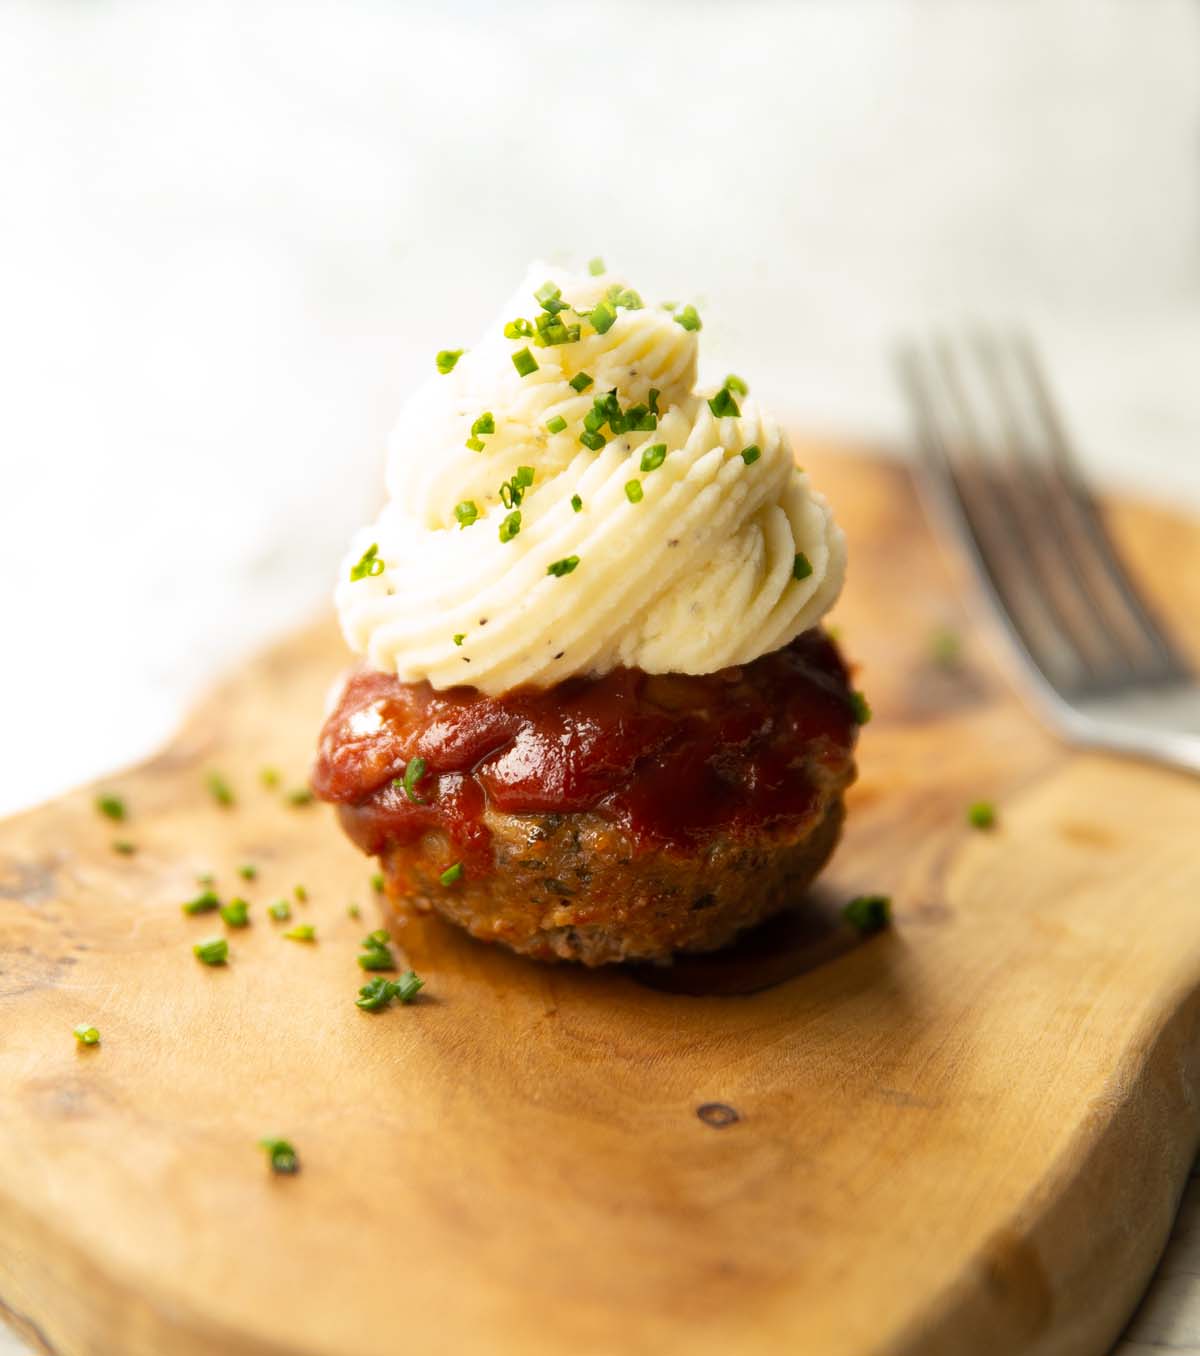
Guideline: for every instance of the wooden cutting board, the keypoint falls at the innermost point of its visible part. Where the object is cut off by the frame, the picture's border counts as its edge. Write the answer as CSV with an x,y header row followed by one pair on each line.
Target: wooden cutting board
x,y
967,1135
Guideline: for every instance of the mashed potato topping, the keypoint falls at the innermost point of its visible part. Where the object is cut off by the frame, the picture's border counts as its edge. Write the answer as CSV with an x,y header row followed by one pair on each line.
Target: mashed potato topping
x,y
564,501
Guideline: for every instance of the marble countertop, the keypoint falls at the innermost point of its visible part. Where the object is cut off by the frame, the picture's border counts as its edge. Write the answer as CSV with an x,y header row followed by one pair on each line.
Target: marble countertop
x,y
234,236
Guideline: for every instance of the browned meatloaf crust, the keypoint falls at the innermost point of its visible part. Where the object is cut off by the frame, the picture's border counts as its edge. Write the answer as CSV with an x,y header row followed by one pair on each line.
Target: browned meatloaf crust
x,y
573,887
625,817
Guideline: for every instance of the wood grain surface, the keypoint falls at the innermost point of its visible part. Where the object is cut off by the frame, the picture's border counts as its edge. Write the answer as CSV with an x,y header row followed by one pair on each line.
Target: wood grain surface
x,y
966,1135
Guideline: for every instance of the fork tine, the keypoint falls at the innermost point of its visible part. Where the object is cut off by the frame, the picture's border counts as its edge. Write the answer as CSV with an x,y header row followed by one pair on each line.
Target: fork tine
x,y
1049,532
1002,516
1127,607
970,511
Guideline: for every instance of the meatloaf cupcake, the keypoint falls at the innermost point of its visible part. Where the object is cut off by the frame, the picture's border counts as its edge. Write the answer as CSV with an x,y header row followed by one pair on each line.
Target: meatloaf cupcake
x,y
597,719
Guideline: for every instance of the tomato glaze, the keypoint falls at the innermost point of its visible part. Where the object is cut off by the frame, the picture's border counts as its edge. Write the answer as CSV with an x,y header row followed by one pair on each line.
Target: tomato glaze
x,y
671,758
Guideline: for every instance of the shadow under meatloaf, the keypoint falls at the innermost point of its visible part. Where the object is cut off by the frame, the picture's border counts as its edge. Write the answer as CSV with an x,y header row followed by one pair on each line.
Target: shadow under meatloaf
x,y
625,816
573,886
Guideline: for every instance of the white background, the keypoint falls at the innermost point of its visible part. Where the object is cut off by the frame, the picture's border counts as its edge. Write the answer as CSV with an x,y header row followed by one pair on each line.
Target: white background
x,y
232,235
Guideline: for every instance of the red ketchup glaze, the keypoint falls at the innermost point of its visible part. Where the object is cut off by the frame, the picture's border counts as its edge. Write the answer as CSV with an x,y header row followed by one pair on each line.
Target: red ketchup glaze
x,y
671,758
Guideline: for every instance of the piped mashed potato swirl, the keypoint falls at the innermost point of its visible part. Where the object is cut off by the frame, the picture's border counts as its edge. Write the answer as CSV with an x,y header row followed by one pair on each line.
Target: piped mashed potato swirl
x,y
723,558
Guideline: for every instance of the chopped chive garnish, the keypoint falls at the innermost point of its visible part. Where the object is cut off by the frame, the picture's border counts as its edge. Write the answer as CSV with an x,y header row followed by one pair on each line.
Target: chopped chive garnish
x,y
624,297
204,903
214,951
595,418
447,358
513,489
281,1156
602,316
550,328
553,330
945,648
653,457
868,913
408,986
280,911
801,566
219,789
510,526
641,420
205,878
112,807
87,1035
302,932
689,319
124,847
379,958
375,994
633,491
353,911
733,383
376,955
652,399
751,454
556,425
377,882
576,503
524,362
369,564
560,567
474,444
547,294
594,441
596,266
413,772
301,894
236,913
580,381
300,795
451,874
269,777
459,637
466,512
981,815
861,708
723,404
486,423
248,871
518,329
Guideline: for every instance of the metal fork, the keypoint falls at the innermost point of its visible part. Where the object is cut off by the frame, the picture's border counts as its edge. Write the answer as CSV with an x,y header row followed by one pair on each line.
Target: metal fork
x,y
999,470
